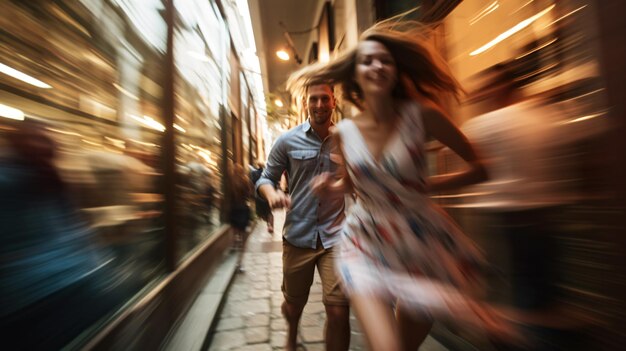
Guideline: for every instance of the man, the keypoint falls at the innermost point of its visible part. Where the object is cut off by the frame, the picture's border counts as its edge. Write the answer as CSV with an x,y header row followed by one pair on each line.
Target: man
x,y
313,224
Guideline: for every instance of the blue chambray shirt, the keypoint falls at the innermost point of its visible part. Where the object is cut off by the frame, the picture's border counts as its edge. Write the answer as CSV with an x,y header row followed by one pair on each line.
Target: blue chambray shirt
x,y
303,154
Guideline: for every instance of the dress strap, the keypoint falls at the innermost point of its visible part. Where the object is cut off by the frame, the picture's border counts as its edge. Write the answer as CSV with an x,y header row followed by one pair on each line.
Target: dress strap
x,y
344,131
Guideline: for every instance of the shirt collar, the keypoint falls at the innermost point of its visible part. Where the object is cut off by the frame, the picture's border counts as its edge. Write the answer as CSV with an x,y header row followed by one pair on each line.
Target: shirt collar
x,y
306,125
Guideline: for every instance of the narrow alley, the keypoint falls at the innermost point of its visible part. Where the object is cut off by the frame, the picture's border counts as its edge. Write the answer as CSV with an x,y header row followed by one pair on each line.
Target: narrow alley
x,y
251,320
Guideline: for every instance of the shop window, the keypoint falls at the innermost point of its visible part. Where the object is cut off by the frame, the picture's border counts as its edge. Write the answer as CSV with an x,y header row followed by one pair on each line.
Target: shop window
x,y
198,56
88,74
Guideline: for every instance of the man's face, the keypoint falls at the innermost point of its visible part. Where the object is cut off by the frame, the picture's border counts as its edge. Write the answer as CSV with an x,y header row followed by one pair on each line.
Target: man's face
x,y
320,103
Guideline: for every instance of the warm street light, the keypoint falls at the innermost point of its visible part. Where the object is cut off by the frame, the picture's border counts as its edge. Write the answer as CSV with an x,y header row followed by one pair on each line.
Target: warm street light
x,y
278,103
9,71
283,55
14,113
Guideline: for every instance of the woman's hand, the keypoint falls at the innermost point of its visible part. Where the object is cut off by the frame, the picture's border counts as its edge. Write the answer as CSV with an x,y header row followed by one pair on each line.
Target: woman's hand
x,y
321,183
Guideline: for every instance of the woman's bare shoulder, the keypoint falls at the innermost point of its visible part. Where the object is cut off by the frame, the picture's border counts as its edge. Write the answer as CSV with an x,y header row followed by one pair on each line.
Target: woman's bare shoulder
x,y
341,124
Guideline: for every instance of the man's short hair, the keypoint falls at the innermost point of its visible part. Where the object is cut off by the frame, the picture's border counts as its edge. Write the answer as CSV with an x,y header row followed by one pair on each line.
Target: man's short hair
x,y
330,85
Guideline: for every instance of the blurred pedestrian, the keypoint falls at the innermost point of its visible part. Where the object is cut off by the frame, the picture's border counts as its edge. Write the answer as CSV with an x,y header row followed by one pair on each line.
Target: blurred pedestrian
x,y
519,139
398,249
238,195
313,223
262,208
54,281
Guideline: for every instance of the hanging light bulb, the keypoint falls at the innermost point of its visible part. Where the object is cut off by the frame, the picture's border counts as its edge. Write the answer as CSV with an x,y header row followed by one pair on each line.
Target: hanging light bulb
x,y
283,55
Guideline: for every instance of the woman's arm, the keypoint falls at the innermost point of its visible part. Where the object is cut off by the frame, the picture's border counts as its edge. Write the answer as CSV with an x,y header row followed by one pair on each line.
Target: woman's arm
x,y
441,128
339,182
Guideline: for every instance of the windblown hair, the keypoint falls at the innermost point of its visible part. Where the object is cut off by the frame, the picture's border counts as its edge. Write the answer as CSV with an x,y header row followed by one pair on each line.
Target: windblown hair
x,y
420,69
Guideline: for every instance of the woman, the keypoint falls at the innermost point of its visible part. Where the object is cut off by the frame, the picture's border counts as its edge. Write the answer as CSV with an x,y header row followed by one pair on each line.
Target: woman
x,y
398,248
239,214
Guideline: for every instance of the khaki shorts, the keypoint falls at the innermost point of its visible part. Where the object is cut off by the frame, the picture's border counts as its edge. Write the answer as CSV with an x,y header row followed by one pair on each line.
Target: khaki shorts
x,y
299,269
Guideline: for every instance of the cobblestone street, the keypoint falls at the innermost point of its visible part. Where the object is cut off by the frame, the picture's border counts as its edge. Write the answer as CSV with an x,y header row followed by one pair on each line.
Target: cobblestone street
x,y
251,318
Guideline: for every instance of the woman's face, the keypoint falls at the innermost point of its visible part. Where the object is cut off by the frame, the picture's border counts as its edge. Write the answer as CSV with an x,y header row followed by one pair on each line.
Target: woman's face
x,y
375,72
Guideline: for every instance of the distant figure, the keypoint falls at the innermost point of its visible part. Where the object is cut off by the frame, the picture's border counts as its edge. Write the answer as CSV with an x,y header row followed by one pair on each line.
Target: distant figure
x,y
397,247
262,208
238,195
54,281
209,198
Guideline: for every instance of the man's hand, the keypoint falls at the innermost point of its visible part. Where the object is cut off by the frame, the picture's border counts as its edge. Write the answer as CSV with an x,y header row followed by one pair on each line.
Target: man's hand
x,y
275,198
278,199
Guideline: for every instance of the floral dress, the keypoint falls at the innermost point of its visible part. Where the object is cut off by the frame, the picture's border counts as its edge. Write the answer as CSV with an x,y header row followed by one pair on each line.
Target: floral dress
x,y
396,243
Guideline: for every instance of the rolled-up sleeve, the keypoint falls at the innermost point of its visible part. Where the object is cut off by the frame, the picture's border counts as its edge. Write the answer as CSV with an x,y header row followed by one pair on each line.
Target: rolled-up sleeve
x,y
276,165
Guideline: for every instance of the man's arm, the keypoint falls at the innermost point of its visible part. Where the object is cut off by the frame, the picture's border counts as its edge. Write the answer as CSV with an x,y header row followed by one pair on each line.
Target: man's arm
x,y
276,164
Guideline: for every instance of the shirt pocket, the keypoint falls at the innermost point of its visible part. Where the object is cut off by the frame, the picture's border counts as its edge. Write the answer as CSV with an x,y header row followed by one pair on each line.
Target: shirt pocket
x,y
303,159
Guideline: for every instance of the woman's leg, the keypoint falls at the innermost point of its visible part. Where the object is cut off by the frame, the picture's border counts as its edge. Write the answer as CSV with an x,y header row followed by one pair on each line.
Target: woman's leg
x,y
446,302
413,330
377,322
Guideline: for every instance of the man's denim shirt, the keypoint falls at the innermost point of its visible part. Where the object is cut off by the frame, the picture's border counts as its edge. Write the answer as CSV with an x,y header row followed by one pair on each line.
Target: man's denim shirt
x,y
302,153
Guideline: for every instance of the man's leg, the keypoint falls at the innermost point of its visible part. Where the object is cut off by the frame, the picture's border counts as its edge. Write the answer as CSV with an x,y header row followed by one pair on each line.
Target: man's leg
x,y
413,330
337,329
298,271
292,313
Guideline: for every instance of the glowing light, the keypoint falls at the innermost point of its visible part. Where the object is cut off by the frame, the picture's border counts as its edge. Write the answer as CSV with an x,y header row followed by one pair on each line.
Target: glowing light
x,y
324,57
149,122
565,16
278,103
523,24
179,128
12,113
125,92
181,118
536,49
63,132
283,55
526,4
23,77
489,9
143,143
583,118
90,143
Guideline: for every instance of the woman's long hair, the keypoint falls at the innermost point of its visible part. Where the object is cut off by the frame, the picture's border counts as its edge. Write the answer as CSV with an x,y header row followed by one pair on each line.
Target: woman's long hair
x,y
420,69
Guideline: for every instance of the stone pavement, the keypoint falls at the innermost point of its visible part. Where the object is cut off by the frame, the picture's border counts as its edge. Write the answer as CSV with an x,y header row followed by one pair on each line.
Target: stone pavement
x,y
251,318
